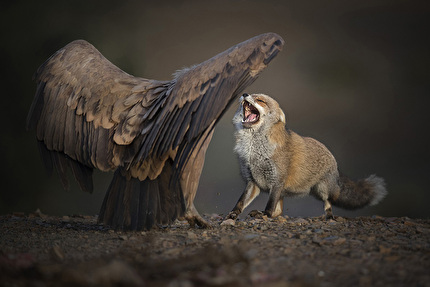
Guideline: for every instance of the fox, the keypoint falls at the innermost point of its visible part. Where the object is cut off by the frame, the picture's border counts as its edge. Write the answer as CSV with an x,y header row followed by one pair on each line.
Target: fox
x,y
278,161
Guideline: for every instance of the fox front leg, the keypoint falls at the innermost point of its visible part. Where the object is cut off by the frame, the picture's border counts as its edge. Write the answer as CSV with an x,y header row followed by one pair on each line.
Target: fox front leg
x,y
275,204
250,193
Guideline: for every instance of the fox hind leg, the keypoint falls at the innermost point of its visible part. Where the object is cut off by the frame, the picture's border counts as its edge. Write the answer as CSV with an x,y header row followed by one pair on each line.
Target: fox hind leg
x,y
279,208
321,191
328,210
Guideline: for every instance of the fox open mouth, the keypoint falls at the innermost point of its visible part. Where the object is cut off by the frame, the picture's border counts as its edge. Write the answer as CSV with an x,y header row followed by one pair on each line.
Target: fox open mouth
x,y
250,113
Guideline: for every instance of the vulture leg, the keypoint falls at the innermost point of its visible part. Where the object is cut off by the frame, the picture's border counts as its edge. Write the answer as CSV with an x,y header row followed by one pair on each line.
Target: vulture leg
x,y
190,180
131,204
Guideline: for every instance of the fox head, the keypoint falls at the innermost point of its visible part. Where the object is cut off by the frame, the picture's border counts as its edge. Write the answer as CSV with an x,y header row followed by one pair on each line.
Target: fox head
x,y
257,111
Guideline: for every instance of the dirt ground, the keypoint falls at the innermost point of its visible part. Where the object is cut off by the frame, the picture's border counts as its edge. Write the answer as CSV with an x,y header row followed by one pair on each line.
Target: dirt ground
x,y
41,250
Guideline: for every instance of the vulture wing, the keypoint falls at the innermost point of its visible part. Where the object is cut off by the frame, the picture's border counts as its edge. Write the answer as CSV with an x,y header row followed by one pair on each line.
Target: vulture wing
x,y
88,110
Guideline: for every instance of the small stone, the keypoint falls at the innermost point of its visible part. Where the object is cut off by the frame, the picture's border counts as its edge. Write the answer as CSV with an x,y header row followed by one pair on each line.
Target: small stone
x,y
339,241
123,237
251,253
334,240
251,236
191,235
280,219
392,258
299,236
299,221
355,241
39,213
423,230
384,250
340,219
19,214
228,222
289,234
371,238
263,227
331,238
409,223
214,216
317,241
390,219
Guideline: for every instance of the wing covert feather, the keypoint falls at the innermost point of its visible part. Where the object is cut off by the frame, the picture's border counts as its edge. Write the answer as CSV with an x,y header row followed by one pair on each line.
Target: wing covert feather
x,y
81,98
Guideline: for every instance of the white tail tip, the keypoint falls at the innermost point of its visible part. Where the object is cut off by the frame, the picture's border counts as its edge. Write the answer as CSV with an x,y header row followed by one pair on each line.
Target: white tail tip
x,y
379,189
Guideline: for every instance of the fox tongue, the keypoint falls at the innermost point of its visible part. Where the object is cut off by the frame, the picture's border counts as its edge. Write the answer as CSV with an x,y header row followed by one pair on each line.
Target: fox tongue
x,y
251,117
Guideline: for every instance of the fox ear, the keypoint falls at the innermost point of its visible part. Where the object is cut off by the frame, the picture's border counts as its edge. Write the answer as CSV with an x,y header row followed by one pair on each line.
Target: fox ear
x,y
282,116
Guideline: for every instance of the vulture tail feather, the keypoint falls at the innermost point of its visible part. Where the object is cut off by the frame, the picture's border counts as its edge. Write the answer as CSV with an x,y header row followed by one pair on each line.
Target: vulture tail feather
x,y
131,204
83,175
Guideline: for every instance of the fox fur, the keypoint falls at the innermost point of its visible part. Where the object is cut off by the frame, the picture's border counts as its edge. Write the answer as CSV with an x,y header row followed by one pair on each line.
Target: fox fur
x,y
278,161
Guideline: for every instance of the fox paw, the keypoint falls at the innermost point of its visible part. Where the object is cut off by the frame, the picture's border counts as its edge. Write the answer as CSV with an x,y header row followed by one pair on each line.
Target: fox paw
x,y
257,214
232,215
327,217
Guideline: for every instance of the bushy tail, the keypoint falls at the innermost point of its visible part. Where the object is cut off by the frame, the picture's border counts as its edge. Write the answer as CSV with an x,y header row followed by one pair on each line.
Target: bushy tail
x,y
131,204
361,193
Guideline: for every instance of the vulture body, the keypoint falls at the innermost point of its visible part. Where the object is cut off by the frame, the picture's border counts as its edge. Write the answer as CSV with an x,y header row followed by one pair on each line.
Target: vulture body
x,y
90,114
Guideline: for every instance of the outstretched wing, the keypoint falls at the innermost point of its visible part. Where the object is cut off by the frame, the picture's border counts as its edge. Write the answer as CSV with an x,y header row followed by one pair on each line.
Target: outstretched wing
x,y
201,94
89,114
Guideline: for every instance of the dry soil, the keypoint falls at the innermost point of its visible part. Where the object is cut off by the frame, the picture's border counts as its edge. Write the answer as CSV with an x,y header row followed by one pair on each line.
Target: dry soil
x,y
41,250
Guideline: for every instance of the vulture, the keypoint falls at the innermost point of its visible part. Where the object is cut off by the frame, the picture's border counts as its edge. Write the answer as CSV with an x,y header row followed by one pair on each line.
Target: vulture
x,y
89,114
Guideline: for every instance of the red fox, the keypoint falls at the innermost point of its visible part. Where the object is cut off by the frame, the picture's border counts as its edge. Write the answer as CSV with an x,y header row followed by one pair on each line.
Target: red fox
x,y
276,160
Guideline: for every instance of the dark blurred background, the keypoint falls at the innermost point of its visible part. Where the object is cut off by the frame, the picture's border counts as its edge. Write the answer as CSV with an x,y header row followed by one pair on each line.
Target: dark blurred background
x,y
353,74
